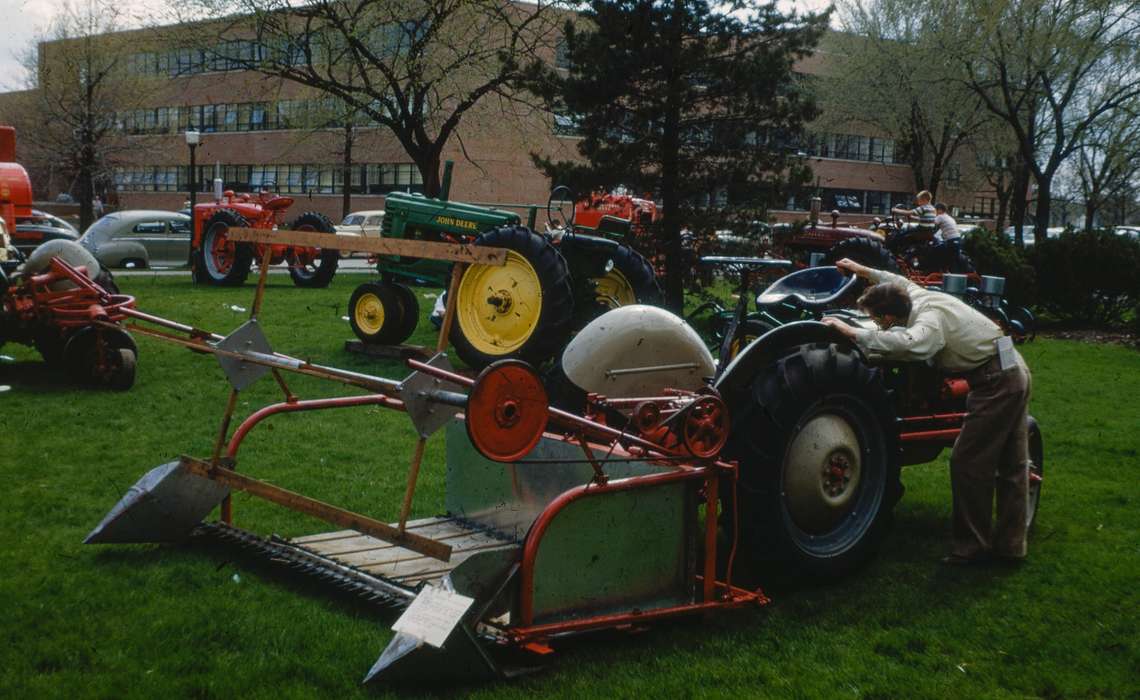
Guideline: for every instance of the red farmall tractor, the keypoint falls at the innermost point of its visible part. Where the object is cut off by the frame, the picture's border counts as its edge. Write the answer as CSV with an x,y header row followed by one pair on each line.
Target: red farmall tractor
x,y
217,260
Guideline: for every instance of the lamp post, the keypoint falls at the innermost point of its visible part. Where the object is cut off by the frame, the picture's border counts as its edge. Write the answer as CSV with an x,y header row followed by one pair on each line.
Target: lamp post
x,y
193,138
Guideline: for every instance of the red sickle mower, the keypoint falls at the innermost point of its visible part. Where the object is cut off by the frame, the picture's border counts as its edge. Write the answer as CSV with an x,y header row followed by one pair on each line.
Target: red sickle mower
x,y
556,525
70,319
216,259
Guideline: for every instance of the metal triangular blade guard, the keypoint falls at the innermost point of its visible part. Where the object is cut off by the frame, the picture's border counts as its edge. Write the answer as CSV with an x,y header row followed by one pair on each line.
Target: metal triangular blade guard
x,y
462,656
164,506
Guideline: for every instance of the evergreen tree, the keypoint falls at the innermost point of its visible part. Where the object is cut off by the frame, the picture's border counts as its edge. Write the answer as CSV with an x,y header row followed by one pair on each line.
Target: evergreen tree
x,y
694,102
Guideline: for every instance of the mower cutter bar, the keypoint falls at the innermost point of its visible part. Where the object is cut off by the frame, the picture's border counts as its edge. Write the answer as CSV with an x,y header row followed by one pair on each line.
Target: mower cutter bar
x,y
343,576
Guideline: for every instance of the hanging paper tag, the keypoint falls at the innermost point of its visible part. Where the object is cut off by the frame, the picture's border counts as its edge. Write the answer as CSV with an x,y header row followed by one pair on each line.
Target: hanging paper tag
x,y
1006,355
432,615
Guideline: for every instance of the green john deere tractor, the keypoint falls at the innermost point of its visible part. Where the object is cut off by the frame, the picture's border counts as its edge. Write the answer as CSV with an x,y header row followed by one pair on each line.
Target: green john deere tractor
x,y
551,284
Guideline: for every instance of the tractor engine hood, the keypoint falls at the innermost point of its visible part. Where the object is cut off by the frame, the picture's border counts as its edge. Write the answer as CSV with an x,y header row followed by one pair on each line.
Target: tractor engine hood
x,y
637,351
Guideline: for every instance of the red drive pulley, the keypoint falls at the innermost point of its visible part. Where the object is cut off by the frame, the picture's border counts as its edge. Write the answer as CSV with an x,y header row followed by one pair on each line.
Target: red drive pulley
x,y
506,411
704,427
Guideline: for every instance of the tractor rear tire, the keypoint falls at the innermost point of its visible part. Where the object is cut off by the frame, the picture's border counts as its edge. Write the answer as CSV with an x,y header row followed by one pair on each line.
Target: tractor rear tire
x,y
819,468
320,271
523,309
631,281
218,261
49,342
961,264
376,314
1037,469
863,251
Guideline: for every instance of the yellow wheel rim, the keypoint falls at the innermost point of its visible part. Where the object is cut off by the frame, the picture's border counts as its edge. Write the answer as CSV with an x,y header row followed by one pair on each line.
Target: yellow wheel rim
x,y
499,306
739,344
614,289
369,314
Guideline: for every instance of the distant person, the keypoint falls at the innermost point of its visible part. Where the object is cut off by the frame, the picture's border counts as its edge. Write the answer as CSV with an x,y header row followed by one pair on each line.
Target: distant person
x,y
946,234
923,211
946,227
97,205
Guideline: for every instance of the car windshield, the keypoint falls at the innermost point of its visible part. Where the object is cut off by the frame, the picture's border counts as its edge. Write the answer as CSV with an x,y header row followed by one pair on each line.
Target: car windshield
x,y
102,224
352,220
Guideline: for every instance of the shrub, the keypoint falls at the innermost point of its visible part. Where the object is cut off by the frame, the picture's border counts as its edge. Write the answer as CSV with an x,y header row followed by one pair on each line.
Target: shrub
x,y
993,254
1089,277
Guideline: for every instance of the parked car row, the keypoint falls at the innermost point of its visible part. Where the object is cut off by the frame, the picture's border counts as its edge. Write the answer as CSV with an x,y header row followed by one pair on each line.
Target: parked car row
x,y
38,228
149,238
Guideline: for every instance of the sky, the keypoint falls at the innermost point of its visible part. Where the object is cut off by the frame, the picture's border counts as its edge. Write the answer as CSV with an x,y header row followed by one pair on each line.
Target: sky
x,y
24,20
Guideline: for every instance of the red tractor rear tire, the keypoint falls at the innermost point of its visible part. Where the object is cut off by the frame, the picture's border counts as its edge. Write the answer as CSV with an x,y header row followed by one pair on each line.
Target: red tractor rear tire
x,y
819,468
863,251
319,270
218,261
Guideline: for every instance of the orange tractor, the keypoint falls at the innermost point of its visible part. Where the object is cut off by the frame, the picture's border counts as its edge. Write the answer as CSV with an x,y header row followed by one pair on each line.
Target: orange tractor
x,y
217,260
15,186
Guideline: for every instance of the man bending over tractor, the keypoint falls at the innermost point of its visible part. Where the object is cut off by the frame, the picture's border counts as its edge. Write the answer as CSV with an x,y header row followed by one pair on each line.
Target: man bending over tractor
x,y
917,324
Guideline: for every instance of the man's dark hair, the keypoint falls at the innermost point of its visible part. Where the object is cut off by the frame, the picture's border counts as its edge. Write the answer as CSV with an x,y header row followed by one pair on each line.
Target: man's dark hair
x,y
886,299
941,206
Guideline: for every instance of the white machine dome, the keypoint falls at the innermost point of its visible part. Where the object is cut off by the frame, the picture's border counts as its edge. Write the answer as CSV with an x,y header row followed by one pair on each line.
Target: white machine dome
x,y
637,351
70,252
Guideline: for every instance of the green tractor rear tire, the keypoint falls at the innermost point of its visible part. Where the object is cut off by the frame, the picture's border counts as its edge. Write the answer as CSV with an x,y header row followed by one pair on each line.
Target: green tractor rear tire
x,y
630,281
523,309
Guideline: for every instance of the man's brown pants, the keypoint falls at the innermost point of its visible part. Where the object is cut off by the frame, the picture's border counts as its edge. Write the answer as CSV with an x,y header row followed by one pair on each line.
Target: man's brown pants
x,y
994,440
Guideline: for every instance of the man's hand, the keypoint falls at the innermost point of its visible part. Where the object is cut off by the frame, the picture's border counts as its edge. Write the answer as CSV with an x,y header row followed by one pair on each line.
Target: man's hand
x,y
845,329
849,265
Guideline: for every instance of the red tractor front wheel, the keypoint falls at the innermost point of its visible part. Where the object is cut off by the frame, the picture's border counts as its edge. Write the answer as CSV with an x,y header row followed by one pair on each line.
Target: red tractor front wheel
x,y
219,261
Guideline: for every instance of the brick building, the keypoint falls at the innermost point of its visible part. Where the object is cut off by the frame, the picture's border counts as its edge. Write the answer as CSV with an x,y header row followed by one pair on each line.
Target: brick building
x,y
269,132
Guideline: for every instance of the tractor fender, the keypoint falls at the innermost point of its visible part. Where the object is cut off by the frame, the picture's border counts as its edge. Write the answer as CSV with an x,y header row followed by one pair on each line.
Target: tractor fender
x,y
769,347
590,254
114,253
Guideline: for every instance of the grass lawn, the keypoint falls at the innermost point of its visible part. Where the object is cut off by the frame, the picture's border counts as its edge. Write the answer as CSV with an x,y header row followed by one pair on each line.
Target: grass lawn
x,y
177,621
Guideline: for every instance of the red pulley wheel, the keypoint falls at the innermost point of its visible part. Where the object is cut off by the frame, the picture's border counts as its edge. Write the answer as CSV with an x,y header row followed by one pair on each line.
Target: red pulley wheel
x,y
705,427
506,411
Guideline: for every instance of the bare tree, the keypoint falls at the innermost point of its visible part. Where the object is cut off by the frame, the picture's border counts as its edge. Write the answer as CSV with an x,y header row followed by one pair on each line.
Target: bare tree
x,y
1108,163
417,67
1050,69
78,85
893,78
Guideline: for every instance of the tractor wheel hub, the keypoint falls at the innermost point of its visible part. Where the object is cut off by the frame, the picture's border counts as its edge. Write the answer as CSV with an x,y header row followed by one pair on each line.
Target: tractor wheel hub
x,y
822,470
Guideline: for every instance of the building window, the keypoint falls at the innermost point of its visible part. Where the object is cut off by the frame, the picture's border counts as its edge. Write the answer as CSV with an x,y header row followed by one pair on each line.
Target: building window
x,y
562,54
566,125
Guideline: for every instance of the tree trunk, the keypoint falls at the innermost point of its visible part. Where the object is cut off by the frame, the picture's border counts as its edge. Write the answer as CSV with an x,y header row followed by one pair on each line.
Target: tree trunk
x,y
1019,201
670,163
1044,202
1003,210
346,170
1090,213
428,163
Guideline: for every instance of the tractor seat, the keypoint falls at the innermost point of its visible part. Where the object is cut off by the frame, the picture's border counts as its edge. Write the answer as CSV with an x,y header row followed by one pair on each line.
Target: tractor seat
x,y
738,262
815,288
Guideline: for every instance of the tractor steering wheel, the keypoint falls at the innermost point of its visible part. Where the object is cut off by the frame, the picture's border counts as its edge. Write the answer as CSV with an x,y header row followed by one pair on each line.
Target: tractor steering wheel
x,y
564,196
